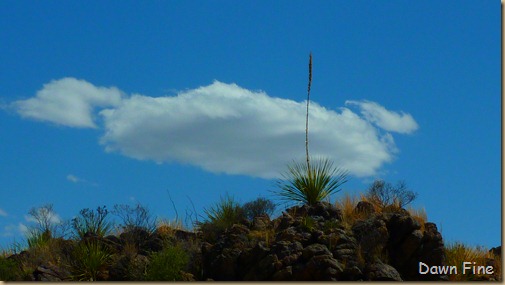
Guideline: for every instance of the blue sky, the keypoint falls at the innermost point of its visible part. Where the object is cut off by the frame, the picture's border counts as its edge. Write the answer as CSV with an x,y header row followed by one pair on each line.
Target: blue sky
x,y
123,102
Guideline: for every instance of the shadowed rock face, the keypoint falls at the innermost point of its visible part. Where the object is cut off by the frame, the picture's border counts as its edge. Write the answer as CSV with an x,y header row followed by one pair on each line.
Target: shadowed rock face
x,y
312,243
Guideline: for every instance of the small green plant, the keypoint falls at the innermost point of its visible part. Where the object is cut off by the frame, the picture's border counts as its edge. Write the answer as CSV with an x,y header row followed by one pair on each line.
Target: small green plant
x,y
90,259
225,213
37,239
93,222
308,223
258,207
167,264
221,216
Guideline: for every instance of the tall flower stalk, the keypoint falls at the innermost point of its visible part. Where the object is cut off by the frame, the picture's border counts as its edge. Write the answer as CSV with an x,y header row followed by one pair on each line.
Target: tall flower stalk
x,y
310,183
307,114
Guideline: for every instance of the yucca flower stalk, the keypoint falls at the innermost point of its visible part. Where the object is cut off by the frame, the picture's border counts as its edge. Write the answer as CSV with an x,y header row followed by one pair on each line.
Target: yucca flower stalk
x,y
310,183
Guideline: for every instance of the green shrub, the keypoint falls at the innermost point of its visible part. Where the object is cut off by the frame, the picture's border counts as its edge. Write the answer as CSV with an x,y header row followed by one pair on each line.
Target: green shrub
x,y
90,259
37,239
8,269
166,265
221,216
310,184
93,222
258,207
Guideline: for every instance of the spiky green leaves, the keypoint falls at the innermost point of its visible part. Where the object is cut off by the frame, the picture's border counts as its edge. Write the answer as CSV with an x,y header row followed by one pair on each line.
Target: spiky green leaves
x,y
311,184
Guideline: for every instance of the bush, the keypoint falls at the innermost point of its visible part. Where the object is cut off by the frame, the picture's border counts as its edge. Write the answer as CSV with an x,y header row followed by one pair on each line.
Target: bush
x,y
258,207
166,265
93,222
221,216
8,269
384,194
135,217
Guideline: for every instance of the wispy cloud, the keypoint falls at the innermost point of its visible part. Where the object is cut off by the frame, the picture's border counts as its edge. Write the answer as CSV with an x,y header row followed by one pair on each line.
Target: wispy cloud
x,y
52,217
224,128
3,213
69,102
385,119
74,179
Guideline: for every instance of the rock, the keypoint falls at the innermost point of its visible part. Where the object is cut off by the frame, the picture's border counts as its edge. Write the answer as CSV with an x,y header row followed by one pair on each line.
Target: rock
x,y
410,246
262,270
224,266
287,252
496,251
364,207
285,274
50,273
128,268
319,268
260,223
184,235
372,235
382,272
400,226
315,249
432,251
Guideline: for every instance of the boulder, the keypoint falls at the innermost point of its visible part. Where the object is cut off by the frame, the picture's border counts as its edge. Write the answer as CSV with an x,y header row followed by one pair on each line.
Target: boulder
x,y
364,207
50,273
379,271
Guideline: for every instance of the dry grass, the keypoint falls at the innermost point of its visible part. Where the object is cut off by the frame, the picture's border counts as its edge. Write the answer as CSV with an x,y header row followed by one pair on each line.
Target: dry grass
x,y
457,253
167,228
347,204
267,236
419,215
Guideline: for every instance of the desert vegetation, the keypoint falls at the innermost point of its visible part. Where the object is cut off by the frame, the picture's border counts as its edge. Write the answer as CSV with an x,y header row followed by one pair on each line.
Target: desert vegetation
x,y
356,232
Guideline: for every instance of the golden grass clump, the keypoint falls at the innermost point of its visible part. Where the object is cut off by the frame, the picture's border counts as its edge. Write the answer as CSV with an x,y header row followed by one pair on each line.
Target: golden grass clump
x,y
419,215
456,253
347,204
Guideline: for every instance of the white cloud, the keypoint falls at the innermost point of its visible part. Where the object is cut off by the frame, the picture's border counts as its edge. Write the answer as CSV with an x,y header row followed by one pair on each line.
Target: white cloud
x,y
73,178
53,217
385,119
3,213
69,102
224,128
23,228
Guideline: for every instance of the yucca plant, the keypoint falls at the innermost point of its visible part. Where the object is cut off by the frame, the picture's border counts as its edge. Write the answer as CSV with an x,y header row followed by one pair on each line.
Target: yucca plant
x,y
311,185
221,216
90,259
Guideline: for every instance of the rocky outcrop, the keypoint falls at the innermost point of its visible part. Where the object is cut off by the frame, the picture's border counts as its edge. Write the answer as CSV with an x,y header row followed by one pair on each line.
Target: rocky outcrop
x,y
305,243
312,243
